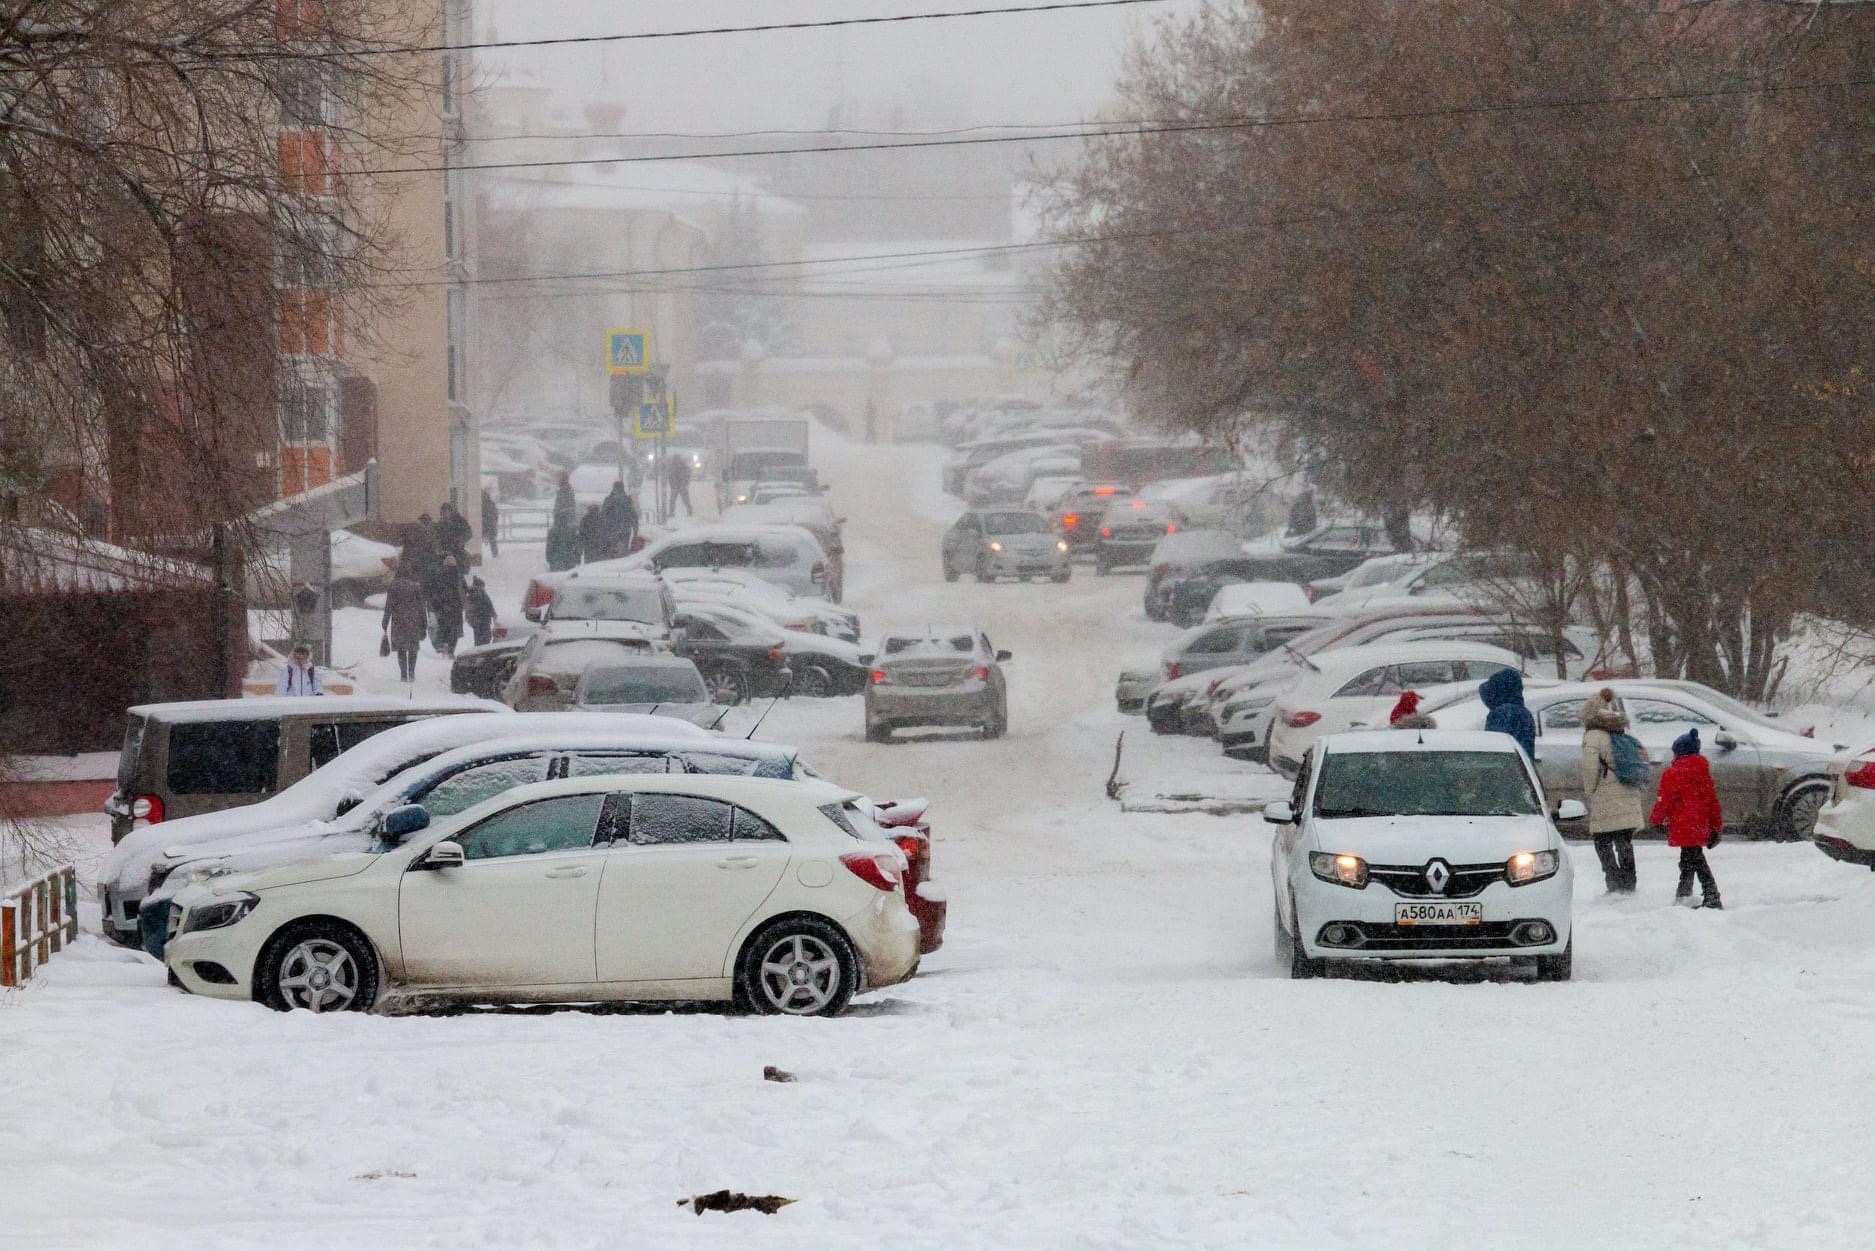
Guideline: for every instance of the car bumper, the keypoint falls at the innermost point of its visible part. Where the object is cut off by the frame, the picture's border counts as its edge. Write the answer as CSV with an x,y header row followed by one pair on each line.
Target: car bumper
x,y
1115,553
1018,564
911,706
203,960
119,925
1509,914
931,915
886,935
1846,826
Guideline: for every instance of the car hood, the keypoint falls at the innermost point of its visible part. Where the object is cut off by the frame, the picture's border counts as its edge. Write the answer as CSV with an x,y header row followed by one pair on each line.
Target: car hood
x,y
247,856
1415,840
128,868
297,872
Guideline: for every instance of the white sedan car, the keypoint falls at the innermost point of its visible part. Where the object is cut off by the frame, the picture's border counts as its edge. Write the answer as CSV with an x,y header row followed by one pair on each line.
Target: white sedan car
x,y
1354,688
642,887
1430,846
1845,827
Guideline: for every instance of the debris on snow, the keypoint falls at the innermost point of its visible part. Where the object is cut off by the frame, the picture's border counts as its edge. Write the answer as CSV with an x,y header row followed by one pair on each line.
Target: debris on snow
x,y
735,1201
772,1074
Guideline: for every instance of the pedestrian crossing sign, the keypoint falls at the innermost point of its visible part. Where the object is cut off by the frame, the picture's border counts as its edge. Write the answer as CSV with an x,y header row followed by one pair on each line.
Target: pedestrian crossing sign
x,y
627,351
654,421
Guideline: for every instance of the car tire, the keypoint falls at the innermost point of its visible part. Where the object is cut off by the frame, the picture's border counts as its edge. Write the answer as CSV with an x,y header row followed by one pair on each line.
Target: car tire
x,y
950,574
288,972
728,685
1100,567
767,982
878,733
983,571
1560,967
1161,724
1061,577
1795,818
813,682
998,725
1289,952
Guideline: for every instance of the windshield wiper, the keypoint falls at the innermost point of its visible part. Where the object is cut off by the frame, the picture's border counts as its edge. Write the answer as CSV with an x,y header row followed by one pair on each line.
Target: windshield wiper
x,y
1335,813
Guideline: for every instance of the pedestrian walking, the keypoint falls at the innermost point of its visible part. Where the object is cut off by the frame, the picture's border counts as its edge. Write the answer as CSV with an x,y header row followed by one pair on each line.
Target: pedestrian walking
x,y
1301,515
1502,693
592,544
1689,809
418,554
445,597
491,522
1407,716
405,612
563,498
301,675
562,543
1614,775
677,475
480,611
621,520
454,534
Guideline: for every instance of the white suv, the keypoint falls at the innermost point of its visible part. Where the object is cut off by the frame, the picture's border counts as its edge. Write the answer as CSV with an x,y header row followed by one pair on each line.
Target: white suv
x,y
1420,845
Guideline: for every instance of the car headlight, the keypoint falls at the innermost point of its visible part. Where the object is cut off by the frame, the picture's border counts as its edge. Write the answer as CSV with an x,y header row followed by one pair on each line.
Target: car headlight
x,y
1339,869
996,547
1530,866
220,914
1061,545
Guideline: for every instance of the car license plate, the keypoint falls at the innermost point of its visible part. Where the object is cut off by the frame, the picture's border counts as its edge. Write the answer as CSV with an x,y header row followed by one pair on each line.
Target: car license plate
x,y
1438,914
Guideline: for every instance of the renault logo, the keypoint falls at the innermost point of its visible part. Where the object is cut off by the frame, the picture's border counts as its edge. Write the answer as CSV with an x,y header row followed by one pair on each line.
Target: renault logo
x,y
1438,876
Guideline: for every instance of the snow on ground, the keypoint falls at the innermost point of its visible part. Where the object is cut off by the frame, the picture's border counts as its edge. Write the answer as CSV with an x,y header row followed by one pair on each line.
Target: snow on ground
x,y
1103,1056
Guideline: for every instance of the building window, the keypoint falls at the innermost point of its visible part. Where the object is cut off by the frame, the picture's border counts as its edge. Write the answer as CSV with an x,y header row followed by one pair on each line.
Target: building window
x,y
305,412
299,19
308,97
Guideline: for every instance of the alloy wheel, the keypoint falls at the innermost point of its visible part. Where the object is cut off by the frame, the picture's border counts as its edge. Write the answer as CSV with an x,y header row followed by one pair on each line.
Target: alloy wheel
x,y
319,975
799,975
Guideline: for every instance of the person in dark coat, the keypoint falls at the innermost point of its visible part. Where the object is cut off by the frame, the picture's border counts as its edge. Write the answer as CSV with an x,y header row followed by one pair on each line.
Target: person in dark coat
x,y
404,620
491,522
480,612
419,554
445,596
454,534
1301,515
1688,807
562,543
677,476
1502,693
563,500
592,535
621,520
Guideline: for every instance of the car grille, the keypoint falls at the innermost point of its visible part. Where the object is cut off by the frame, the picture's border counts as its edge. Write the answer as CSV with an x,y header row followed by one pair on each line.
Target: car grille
x,y
1409,880
1377,936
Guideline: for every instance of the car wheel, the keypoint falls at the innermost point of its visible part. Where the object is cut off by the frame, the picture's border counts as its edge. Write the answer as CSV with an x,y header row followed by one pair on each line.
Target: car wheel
x,y
1100,567
1796,813
950,574
813,682
998,724
1557,968
799,966
322,966
1162,723
1301,968
878,733
1063,576
726,684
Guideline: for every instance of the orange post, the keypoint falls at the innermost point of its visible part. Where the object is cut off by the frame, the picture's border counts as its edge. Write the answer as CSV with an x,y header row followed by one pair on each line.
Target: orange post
x,y
8,911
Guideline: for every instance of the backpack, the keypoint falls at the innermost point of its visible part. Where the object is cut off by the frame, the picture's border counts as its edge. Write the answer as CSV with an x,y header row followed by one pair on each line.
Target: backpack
x,y
1630,760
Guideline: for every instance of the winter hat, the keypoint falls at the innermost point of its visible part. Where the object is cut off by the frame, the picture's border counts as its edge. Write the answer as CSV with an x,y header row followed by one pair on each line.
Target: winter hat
x,y
1408,705
1603,711
1687,744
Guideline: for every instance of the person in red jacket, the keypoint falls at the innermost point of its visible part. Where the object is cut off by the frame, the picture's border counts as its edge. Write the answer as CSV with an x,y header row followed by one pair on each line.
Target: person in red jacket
x,y
1689,808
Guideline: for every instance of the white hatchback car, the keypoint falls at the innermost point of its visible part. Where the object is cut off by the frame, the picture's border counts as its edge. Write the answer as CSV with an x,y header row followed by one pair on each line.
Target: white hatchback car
x,y
1353,688
1431,845
642,887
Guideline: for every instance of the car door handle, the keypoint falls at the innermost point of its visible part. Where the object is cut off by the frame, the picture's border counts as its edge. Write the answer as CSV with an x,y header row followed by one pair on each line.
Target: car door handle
x,y
737,862
568,870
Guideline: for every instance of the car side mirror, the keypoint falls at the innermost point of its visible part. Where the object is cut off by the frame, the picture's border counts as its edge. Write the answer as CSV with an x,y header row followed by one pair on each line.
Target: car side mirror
x,y
401,823
866,658
1571,810
443,855
533,613
1279,812
1725,740
1003,655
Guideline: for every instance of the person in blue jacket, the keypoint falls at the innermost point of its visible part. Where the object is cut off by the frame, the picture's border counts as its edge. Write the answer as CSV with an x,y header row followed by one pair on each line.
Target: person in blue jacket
x,y
1502,693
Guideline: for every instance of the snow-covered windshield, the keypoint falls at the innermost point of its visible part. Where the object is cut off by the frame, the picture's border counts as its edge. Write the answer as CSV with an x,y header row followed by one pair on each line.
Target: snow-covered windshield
x,y
1425,784
645,684
1014,523
610,603
579,655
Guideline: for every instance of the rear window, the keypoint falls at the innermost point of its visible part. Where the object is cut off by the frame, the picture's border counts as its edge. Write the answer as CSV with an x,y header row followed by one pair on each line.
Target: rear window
x,y
329,739
224,757
127,759
593,603
959,644
651,684
579,655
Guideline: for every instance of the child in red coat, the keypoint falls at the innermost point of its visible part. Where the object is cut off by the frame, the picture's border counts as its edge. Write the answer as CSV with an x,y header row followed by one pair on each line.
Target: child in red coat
x,y
1689,807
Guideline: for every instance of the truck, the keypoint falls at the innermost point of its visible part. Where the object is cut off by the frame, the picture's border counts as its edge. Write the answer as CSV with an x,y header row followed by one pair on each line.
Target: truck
x,y
762,447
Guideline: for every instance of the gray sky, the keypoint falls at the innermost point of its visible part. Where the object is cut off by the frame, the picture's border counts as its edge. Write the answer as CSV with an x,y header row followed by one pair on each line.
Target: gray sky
x,y
1040,68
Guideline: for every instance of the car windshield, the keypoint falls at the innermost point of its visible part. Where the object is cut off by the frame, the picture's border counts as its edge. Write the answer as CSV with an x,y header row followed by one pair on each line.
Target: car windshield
x,y
579,655
1014,523
960,644
609,603
1425,784
645,684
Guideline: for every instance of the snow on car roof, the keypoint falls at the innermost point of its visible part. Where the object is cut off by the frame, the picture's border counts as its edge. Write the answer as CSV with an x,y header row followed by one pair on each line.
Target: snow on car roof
x,y
812,792
264,707
1364,741
1341,659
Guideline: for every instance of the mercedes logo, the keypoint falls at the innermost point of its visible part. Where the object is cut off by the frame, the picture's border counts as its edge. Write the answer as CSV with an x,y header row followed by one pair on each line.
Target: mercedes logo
x,y
1438,876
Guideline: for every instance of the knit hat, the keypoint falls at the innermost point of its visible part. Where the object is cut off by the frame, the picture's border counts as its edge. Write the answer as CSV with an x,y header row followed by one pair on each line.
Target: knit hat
x,y
1603,711
1687,744
1408,705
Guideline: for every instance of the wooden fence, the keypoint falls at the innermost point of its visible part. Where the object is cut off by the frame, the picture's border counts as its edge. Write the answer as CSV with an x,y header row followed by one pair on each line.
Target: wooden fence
x,y
36,920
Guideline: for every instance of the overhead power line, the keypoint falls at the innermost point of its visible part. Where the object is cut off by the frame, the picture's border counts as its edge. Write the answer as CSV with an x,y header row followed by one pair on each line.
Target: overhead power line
x,y
1194,127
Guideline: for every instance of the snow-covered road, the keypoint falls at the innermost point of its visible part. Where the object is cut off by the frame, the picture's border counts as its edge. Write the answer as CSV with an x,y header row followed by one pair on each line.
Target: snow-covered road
x,y
1103,1055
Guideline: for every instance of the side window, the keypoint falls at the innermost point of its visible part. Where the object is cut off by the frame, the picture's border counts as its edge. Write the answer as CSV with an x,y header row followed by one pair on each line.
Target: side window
x,y
774,554
660,820
1420,674
586,766
224,757
1301,789
329,739
683,556
462,790
697,628
1658,712
1213,643
749,828
1566,715
1371,683
1479,669
564,823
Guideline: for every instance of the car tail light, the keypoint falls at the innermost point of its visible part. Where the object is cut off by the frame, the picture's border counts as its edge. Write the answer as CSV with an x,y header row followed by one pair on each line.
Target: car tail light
x,y
1314,592
881,871
147,808
541,684
538,595
775,654
1863,774
1174,669
1301,720
879,677
917,851
981,673
1171,527
1106,532
1069,521
1139,503
1106,490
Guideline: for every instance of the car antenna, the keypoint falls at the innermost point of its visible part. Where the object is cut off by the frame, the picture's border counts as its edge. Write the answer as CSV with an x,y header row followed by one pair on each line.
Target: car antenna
x,y
720,717
758,721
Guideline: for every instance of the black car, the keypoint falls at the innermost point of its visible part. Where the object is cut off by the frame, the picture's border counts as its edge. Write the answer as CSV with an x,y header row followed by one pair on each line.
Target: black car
x,y
485,670
738,663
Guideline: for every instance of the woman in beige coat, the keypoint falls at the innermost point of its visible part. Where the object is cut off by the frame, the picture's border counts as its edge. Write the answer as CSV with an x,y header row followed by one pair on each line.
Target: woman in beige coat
x,y
1616,812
